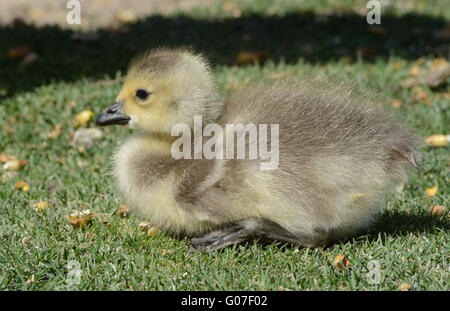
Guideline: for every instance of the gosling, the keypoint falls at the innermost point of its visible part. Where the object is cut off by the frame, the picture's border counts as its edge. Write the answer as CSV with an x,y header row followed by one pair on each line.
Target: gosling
x,y
337,157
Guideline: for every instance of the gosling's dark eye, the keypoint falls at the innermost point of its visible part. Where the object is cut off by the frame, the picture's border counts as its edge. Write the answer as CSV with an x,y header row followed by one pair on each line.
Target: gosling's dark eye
x,y
142,94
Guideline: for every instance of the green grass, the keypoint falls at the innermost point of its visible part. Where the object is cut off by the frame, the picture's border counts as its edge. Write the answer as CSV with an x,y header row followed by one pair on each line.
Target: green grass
x,y
410,244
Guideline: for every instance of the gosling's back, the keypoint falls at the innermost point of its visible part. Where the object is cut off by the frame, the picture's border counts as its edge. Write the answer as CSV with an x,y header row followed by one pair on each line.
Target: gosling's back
x,y
338,154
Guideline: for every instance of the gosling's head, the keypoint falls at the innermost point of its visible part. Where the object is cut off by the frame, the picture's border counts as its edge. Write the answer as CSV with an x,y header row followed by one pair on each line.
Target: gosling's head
x,y
163,88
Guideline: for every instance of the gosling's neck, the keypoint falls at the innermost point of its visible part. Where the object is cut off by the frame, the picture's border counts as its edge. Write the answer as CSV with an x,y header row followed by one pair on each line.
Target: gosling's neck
x,y
213,110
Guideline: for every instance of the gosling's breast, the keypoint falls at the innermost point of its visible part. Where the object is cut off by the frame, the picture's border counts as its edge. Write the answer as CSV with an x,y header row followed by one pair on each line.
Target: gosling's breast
x,y
148,178
140,162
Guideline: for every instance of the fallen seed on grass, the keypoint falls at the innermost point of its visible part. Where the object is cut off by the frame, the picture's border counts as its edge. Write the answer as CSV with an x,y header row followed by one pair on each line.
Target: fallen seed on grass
x,y
81,219
144,226
5,158
23,185
14,165
41,206
438,140
396,103
153,231
163,251
123,211
405,287
83,118
341,263
431,191
438,210
30,281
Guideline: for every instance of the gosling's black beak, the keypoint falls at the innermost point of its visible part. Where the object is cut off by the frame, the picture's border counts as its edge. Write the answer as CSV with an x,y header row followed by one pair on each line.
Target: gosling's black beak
x,y
112,115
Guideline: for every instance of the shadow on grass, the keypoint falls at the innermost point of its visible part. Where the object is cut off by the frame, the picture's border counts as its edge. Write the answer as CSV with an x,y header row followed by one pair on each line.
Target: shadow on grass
x,y
401,224
314,38
393,224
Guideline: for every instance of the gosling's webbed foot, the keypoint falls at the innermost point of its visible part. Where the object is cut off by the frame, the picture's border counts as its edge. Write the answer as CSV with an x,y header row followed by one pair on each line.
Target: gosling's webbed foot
x,y
243,230
221,237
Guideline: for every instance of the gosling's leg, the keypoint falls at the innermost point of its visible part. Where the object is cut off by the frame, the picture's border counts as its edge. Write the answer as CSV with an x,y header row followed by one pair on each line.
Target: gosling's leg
x,y
246,229
223,236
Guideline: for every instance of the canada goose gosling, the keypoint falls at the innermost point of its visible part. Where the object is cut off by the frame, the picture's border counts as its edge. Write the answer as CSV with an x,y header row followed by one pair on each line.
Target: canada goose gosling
x,y
337,157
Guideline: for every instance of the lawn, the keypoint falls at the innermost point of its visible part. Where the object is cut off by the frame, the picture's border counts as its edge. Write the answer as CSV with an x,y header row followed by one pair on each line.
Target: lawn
x,y
40,249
